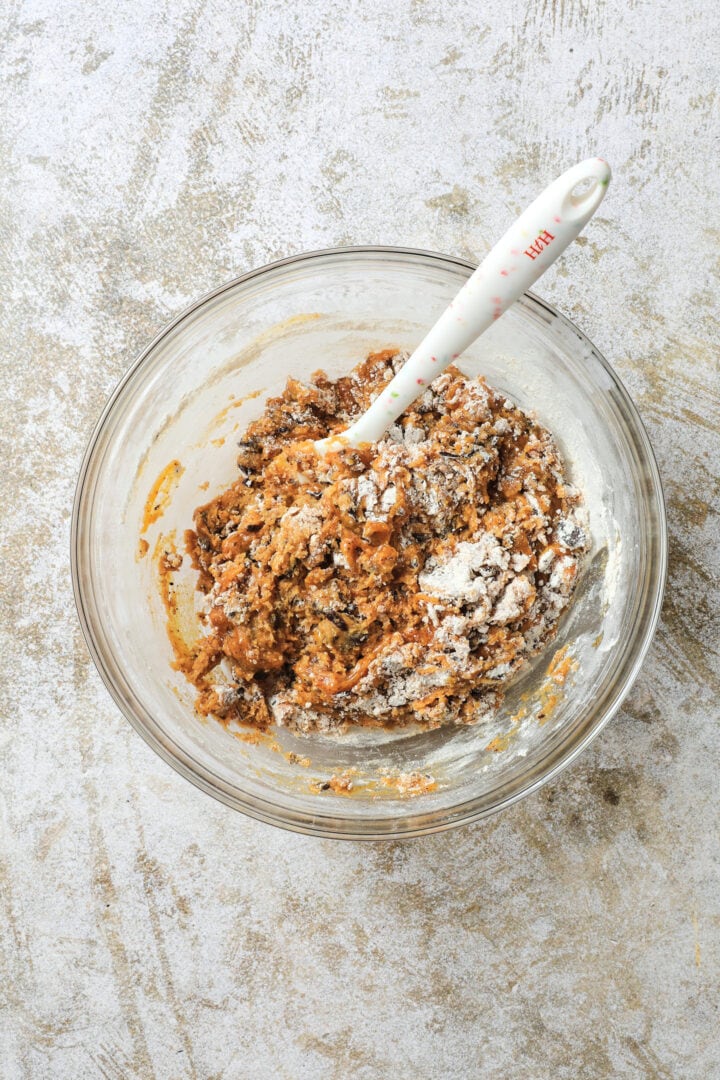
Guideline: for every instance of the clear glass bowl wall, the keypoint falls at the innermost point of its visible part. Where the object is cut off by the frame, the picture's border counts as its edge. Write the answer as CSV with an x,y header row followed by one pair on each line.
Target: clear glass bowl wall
x,y
329,309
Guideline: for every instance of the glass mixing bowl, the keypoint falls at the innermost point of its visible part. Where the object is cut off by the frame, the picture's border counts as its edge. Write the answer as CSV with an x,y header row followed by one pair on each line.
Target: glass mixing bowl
x,y
187,400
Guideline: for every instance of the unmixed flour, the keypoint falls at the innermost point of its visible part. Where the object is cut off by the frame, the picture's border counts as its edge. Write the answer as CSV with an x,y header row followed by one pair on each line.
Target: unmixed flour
x,y
402,583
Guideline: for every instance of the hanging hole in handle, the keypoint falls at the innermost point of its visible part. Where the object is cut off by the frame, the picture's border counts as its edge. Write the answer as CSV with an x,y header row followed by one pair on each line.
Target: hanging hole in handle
x,y
582,190
586,194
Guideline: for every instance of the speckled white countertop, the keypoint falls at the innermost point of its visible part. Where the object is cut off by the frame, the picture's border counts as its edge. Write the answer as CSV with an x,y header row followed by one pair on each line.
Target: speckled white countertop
x,y
150,151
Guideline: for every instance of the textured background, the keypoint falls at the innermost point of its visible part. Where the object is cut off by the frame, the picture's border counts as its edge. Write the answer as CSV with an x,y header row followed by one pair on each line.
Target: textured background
x,y
148,151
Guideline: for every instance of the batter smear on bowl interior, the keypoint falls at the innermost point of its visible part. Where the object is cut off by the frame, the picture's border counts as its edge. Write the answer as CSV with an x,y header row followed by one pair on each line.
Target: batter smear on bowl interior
x,y
401,583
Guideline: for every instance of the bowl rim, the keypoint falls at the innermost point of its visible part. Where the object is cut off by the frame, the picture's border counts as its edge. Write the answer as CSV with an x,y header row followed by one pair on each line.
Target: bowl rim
x,y
333,826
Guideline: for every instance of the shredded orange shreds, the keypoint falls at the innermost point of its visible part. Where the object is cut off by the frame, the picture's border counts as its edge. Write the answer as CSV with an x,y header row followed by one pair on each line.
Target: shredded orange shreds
x,y
404,582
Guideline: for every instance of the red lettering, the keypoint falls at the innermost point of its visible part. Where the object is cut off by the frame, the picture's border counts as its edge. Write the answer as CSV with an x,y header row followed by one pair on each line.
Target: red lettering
x,y
537,247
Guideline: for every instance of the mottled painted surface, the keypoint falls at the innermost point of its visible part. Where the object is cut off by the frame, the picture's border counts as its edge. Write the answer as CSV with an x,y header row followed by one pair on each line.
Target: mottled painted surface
x,y
152,150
